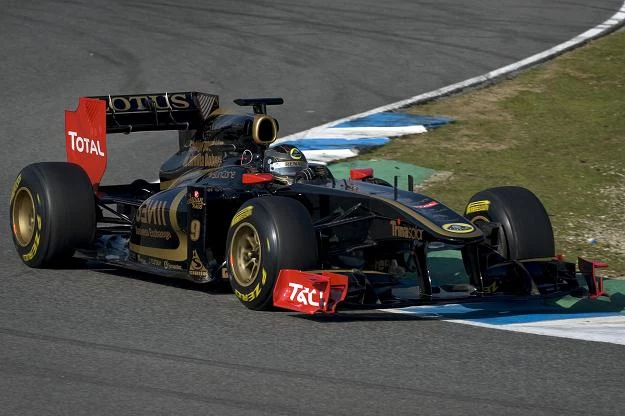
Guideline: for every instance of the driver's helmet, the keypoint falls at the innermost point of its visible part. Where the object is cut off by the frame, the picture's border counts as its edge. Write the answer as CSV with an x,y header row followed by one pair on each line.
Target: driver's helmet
x,y
284,161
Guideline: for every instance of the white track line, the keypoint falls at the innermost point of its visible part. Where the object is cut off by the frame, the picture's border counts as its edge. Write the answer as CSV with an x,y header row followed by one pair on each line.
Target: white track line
x,y
613,23
605,329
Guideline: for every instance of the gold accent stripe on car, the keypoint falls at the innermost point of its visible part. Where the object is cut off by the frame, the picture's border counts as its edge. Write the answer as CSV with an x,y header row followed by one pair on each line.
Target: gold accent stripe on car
x,y
176,254
425,221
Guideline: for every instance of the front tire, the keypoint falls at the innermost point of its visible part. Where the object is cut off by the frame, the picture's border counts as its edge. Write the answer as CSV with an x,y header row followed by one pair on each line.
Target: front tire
x,y
525,230
268,234
52,213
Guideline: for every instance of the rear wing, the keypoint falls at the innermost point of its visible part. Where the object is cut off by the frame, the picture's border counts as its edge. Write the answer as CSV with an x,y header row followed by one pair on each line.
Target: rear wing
x,y
160,111
86,128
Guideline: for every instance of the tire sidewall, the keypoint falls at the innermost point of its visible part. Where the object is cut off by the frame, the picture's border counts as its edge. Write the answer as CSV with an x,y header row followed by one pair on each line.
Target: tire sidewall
x,y
287,240
525,231
34,252
259,292
65,213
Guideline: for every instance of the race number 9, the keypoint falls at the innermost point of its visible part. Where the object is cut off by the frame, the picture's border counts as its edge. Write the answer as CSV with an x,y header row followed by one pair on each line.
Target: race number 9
x,y
195,229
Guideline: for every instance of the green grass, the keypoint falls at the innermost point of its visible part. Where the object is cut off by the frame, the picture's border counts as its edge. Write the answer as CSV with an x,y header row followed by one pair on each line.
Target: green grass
x,y
558,129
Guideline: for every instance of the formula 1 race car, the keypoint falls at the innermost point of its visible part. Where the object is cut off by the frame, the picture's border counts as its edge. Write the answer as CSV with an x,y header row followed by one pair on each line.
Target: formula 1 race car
x,y
283,232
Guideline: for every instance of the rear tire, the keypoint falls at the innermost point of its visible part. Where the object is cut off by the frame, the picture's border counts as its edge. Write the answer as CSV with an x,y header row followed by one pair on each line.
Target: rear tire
x,y
52,213
268,234
525,231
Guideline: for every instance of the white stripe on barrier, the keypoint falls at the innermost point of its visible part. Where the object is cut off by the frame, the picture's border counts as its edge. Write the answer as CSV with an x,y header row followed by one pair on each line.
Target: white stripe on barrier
x,y
357,132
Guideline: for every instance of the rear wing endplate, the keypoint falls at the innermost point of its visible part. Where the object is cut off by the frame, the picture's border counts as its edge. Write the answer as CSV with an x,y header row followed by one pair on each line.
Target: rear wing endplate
x,y
86,128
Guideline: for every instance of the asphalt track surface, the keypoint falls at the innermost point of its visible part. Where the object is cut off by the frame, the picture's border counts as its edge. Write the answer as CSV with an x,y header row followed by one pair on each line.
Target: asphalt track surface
x,y
99,342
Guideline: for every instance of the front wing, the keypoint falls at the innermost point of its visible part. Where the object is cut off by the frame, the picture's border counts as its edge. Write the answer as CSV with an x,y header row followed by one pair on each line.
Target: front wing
x,y
321,292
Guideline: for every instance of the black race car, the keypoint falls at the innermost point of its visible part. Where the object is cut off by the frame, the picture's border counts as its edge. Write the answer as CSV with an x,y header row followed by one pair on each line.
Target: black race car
x,y
281,231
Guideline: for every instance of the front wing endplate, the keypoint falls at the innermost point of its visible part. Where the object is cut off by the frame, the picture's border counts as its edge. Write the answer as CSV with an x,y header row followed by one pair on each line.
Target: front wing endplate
x,y
309,292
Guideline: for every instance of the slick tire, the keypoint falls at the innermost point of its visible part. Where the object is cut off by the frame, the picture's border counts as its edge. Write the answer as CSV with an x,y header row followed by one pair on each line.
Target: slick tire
x,y
525,231
268,234
52,213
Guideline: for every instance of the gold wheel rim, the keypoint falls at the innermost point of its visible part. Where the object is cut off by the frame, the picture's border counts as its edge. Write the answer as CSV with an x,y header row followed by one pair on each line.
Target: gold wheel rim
x,y
245,254
23,217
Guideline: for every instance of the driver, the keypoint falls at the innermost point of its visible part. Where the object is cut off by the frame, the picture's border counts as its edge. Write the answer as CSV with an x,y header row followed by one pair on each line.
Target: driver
x,y
288,165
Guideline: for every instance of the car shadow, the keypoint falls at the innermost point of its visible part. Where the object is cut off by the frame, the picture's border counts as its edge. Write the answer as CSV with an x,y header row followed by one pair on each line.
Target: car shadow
x,y
493,309
216,288
359,316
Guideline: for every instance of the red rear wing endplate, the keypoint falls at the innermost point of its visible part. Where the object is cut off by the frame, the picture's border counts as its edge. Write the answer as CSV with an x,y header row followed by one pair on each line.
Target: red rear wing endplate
x,y
85,137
